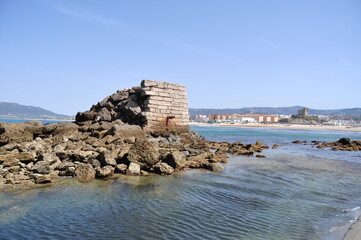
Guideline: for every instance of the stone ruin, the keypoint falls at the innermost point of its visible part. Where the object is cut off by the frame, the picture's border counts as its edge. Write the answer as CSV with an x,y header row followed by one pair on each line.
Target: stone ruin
x,y
153,104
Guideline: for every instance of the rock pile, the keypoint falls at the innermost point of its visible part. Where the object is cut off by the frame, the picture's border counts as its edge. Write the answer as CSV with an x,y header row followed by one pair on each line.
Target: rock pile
x,y
343,144
126,105
111,138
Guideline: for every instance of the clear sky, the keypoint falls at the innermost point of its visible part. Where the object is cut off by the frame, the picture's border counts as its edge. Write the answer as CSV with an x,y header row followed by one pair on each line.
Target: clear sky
x,y
67,55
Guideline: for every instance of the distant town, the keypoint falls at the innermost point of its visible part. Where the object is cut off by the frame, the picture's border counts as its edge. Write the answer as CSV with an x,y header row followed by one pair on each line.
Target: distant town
x,y
302,117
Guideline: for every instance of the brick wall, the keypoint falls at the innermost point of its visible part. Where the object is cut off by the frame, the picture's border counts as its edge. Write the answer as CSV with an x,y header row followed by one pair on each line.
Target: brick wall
x,y
166,104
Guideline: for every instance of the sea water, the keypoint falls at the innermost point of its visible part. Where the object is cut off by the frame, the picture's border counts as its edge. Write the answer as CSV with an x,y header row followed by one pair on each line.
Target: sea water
x,y
296,192
45,121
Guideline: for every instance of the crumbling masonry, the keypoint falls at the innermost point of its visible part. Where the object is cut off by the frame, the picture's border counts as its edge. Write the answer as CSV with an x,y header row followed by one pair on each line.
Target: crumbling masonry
x,y
153,104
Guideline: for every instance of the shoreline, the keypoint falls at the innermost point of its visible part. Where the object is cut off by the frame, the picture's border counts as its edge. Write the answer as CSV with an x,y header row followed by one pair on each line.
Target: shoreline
x,y
283,126
354,231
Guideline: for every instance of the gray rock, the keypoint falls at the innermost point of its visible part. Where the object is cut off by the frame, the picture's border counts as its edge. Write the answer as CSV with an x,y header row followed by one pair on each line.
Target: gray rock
x,y
50,158
94,162
104,115
85,172
105,172
163,168
133,107
42,167
106,158
133,169
119,96
176,160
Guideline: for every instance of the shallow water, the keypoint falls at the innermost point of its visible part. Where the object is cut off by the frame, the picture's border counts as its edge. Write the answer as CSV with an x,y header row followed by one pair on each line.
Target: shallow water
x,y
297,192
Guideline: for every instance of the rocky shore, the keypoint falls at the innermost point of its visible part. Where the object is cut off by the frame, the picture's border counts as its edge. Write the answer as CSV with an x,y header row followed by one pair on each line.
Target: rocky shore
x,y
132,131
35,153
343,144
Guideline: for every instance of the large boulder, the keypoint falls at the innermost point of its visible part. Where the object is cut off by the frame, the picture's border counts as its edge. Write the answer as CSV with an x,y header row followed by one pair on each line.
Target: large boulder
x,y
143,153
85,116
344,141
85,172
176,160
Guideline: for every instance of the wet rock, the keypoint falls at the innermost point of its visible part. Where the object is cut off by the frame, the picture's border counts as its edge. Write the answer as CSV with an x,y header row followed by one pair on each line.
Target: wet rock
x,y
275,146
163,168
133,169
299,141
143,153
105,172
176,160
42,179
344,141
85,172
335,149
260,156
214,167
259,143
144,173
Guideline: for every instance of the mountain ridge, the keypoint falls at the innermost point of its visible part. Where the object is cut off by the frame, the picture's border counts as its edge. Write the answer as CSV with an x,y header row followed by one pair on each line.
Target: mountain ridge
x,y
19,111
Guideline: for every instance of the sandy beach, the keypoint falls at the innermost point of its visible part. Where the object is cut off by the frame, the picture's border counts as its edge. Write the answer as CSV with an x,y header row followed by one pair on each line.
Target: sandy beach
x,y
284,126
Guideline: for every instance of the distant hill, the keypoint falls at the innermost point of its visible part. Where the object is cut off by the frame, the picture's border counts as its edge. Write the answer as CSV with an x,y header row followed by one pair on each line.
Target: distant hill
x,y
14,110
277,110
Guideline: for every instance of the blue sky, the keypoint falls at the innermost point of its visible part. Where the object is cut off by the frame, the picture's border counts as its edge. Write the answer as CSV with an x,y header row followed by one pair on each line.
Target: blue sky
x,y
67,55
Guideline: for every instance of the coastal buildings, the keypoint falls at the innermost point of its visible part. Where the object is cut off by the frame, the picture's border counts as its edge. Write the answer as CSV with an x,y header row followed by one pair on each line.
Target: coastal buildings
x,y
243,118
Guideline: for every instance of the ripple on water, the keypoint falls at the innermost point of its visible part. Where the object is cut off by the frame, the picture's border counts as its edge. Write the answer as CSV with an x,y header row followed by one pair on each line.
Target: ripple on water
x,y
294,193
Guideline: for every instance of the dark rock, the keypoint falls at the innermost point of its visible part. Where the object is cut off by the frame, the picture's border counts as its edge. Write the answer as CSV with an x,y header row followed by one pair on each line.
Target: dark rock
x,y
299,141
85,116
94,162
106,158
176,160
344,141
260,156
104,115
214,167
119,96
